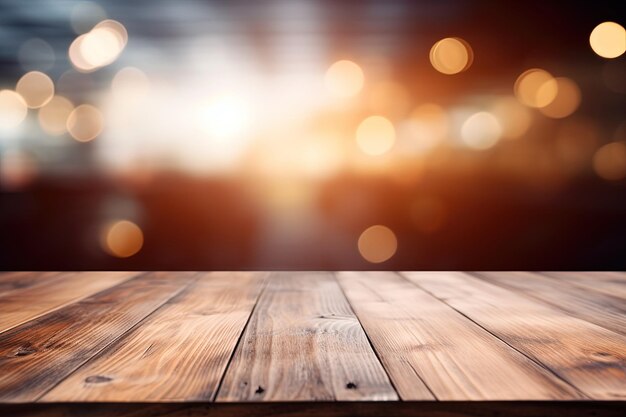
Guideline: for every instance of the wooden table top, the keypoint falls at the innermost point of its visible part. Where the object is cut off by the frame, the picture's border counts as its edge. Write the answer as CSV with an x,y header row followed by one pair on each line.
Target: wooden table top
x,y
312,343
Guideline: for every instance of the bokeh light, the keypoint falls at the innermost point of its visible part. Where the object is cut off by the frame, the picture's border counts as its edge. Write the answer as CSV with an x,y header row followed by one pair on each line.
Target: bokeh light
x,y
85,15
130,83
377,244
515,119
536,88
99,47
17,169
54,115
567,99
426,128
36,88
375,135
13,110
609,161
344,79
121,238
36,54
451,56
85,123
481,130
608,40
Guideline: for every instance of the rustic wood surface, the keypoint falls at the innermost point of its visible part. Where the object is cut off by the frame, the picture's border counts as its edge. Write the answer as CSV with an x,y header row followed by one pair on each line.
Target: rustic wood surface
x,y
256,342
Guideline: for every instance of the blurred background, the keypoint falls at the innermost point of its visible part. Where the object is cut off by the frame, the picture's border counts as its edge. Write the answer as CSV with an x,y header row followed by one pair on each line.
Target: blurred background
x,y
380,134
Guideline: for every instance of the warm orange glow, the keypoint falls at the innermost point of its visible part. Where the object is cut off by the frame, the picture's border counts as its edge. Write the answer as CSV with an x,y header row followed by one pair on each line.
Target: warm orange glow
x,y
13,109
375,135
17,169
566,101
344,79
389,98
536,88
427,126
514,118
451,56
377,244
122,239
53,116
36,88
85,123
428,214
609,161
481,130
608,40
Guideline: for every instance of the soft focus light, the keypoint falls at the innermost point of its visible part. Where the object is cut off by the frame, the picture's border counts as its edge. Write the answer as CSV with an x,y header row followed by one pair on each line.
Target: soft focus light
x,y
514,118
609,161
36,54
53,116
566,101
377,244
122,239
130,83
36,88
481,130
99,47
344,79
536,88
17,169
375,135
13,109
389,98
608,40
85,123
451,56
225,117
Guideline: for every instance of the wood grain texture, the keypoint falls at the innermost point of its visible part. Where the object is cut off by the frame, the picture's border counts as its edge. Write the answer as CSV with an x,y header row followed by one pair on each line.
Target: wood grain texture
x,y
602,309
36,294
304,343
588,356
454,357
37,355
179,353
611,283
11,281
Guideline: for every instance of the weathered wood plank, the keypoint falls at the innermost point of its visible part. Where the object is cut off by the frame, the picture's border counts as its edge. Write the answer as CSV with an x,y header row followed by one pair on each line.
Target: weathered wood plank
x,y
35,356
611,283
18,280
42,294
179,353
588,356
419,338
602,309
303,343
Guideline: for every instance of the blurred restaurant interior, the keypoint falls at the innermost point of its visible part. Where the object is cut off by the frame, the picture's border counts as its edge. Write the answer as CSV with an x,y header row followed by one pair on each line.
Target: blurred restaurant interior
x,y
293,134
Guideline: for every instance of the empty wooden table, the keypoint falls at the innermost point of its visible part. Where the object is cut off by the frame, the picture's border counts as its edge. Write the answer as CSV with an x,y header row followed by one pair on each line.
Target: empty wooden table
x,y
312,343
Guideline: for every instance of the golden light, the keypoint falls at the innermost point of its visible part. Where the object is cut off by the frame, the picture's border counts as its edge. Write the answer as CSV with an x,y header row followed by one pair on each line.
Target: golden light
x,y
535,88
36,88
514,118
428,126
608,40
13,109
344,79
451,56
99,47
566,101
609,161
377,244
321,156
375,135
121,238
481,130
130,83
389,98
53,116
225,117
85,123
